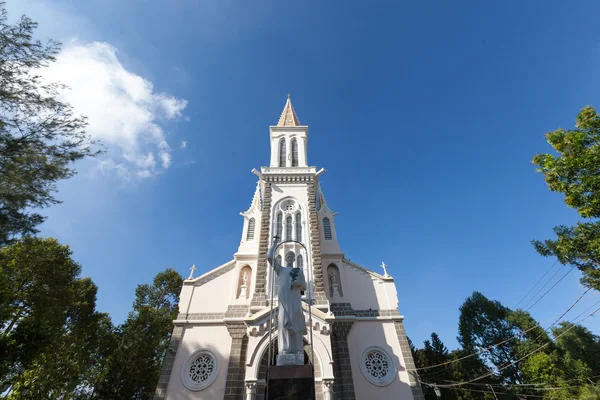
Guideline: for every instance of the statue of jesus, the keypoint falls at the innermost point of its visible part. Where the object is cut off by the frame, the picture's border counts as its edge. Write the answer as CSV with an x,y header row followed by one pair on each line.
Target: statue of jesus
x,y
292,326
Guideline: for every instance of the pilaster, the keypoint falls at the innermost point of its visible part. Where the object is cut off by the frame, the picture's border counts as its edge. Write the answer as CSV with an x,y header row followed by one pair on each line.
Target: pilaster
x,y
342,370
259,298
315,243
235,385
413,378
168,361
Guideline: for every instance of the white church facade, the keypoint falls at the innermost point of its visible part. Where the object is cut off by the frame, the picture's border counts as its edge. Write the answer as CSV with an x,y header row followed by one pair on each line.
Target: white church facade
x,y
223,336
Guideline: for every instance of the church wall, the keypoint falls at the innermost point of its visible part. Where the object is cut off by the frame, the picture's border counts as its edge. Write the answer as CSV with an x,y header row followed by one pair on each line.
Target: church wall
x,y
213,337
214,296
364,334
364,291
298,191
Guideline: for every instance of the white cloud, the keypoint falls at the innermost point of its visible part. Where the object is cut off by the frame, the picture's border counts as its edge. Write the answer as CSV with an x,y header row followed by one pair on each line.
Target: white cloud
x,y
183,144
123,110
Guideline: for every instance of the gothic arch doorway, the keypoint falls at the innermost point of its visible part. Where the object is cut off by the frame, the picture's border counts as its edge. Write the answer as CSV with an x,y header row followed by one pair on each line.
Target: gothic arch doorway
x,y
308,358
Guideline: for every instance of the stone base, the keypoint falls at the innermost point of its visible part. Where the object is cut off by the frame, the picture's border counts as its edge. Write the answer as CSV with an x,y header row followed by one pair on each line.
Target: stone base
x,y
290,382
290,359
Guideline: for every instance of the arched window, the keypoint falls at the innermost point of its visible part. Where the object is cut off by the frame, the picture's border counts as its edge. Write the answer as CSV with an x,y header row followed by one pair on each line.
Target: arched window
x,y
282,154
298,227
251,228
299,261
327,229
288,227
279,228
294,152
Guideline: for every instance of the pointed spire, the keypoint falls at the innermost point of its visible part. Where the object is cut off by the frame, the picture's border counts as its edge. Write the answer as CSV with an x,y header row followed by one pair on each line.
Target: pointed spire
x,y
288,116
255,205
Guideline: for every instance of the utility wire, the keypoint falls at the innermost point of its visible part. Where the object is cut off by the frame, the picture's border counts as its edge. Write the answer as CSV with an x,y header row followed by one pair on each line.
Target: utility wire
x,y
553,286
481,391
544,285
494,345
519,360
537,283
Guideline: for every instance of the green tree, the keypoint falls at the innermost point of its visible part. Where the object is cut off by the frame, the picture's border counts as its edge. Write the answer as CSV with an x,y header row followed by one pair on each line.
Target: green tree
x,y
575,171
132,370
482,324
40,137
580,344
48,320
67,368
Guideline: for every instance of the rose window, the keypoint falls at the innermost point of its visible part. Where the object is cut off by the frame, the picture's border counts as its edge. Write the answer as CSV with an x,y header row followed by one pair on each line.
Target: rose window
x,y
377,366
200,370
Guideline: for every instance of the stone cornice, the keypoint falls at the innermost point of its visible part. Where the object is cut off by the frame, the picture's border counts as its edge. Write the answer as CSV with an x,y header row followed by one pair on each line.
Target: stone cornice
x,y
210,275
368,271
287,170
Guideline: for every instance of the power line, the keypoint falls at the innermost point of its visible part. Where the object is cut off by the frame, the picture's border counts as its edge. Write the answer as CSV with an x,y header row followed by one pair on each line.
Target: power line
x,y
480,391
514,362
553,286
496,344
537,283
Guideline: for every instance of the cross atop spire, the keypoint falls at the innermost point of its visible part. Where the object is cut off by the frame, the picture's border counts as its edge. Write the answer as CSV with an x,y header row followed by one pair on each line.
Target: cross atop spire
x,y
288,116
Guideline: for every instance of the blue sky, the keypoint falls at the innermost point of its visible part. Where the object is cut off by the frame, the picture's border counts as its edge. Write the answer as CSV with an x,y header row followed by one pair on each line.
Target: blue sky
x,y
425,114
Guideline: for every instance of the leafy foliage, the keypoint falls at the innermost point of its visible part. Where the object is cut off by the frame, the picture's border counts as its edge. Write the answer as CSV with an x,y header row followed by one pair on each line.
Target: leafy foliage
x,y
567,361
575,172
40,136
132,370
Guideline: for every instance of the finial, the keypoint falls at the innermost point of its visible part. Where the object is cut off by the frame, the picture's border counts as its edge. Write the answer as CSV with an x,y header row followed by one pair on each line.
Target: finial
x,y
384,269
289,96
192,271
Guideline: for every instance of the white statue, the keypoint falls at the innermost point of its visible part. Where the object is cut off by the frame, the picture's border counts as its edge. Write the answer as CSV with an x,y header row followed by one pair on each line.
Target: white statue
x,y
244,287
291,325
335,288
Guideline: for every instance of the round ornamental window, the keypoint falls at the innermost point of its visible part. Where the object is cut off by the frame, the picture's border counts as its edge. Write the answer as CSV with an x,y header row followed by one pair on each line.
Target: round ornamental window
x,y
200,370
288,206
377,366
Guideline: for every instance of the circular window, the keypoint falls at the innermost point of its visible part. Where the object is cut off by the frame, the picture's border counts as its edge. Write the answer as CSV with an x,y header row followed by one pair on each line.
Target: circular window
x,y
288,206
377,366
200,370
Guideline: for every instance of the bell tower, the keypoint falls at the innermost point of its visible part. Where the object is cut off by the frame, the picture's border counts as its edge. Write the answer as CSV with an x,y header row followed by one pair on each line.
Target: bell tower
x,y
291,197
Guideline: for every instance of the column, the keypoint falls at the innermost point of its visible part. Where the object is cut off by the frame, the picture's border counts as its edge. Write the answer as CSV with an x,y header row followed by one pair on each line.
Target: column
x,y
250,390
328,389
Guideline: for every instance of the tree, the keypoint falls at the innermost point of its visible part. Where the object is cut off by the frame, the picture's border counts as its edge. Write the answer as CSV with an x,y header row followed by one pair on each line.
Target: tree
x,y
49,326
575,172
580,344
435,352
482,324
40,137
132,370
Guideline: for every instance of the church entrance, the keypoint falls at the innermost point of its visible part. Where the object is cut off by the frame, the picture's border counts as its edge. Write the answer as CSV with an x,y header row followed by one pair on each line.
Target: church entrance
x,y
308,359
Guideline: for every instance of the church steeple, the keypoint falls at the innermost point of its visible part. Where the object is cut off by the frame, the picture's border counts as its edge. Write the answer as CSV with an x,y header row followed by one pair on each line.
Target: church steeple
x,y
288,140
288,116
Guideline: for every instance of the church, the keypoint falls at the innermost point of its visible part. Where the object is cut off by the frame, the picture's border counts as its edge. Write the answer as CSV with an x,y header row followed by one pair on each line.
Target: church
x,y
225,335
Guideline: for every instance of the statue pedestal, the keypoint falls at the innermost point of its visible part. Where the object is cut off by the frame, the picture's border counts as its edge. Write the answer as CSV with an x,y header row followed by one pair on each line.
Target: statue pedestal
x,y
290,359
291,382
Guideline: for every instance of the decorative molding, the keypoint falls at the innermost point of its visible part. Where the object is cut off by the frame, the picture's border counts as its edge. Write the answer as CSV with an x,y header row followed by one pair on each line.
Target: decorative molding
x,y
211,361
288,170
377,365
368,271
210,275
289,178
